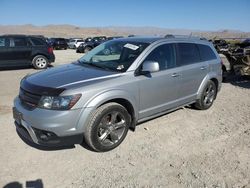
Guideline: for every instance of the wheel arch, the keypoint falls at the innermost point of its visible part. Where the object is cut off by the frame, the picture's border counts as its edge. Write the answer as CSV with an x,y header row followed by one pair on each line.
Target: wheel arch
x,y
37,54
119,96
129,107
211,77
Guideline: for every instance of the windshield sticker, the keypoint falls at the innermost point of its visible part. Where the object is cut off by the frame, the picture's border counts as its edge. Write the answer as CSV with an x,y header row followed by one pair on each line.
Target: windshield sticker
x,y
131,46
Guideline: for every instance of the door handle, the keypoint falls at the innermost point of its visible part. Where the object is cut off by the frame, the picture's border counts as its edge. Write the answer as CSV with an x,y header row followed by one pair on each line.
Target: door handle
x,y
203,67
175,75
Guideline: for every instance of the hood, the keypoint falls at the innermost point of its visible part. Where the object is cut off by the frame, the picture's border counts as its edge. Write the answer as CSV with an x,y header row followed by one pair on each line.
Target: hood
x,y
55,80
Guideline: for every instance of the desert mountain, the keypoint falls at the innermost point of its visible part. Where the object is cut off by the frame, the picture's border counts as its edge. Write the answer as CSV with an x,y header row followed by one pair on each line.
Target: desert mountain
x,y
75,31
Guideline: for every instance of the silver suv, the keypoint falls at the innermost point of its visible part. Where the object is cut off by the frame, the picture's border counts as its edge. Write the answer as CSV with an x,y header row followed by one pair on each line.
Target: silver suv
x,y
113,87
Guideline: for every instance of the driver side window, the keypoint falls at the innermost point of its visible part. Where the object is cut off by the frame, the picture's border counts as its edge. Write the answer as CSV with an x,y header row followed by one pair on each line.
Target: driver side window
x,y
164,55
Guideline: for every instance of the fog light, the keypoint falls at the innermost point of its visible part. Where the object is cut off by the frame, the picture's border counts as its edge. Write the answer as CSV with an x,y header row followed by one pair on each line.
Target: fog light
x,y
44,137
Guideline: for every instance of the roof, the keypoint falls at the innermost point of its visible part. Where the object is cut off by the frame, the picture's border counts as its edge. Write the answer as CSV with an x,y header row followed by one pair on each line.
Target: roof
x,y
154,39
140,39
22,35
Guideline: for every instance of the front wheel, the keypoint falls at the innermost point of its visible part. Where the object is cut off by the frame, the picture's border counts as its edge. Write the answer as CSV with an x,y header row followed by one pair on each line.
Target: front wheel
x,y
107,127
207,97
87,49
40,62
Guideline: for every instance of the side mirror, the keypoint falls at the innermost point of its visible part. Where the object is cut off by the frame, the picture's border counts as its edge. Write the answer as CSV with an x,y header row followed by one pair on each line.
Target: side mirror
x,y
150,66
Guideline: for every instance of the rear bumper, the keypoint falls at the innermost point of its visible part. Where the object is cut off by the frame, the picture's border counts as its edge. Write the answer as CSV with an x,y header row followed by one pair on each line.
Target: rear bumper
x,y
51,58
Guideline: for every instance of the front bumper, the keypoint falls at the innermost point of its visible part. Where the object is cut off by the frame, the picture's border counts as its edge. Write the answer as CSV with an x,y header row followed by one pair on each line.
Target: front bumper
x,y
42,138
49,127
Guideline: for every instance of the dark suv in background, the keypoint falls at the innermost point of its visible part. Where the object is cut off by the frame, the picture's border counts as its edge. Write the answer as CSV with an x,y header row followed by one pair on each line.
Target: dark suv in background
x,y
89,45
58,43
20,50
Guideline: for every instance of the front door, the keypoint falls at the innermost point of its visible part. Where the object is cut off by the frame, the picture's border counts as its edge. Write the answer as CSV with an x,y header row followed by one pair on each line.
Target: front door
x,y
5,54
159,90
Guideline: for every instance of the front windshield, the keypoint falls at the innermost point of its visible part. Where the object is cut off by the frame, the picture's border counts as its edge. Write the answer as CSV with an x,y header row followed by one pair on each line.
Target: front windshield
x,y
114,55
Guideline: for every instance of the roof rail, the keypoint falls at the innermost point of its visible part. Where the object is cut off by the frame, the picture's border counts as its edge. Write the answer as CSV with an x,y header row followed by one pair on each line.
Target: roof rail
x,y
184,37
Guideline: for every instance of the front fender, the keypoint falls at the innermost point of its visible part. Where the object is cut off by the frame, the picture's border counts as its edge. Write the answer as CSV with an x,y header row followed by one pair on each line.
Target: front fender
x,y
101,98
105,96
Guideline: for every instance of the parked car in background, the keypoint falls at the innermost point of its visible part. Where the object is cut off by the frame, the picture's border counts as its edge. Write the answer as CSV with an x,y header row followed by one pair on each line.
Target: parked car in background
x,y
20,50
87,46
88,39
58,43
115,37
115,86
220,44
74,43
245,43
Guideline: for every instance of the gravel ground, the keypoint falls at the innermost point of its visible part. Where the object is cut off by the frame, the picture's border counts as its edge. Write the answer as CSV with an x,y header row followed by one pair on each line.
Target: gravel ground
x,y
186,148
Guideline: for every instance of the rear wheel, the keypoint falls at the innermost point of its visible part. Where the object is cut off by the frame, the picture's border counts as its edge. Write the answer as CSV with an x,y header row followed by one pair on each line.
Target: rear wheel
x,y
107,127
207,97
40,62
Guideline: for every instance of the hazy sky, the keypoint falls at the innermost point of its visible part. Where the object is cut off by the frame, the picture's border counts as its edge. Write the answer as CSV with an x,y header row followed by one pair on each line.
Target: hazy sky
x,y
187,14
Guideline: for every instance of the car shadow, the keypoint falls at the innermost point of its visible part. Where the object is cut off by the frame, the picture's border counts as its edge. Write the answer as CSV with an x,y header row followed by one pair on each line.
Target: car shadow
x,y
85,146
240,81
15,68
34,184
21,68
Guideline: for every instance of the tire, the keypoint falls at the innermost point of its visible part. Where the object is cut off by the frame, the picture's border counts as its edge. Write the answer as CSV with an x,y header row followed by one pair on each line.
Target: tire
x,y
107,128
87,49
207,97
40,62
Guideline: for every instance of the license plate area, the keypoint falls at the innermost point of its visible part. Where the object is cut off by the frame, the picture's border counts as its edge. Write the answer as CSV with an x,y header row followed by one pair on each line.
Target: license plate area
x,y
17,115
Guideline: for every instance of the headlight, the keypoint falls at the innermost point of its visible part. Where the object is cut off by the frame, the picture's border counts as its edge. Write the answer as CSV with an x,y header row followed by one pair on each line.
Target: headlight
x,y
58,102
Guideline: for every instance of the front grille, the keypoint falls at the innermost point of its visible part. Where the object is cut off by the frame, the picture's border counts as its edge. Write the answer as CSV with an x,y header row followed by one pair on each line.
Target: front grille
x,y
28,99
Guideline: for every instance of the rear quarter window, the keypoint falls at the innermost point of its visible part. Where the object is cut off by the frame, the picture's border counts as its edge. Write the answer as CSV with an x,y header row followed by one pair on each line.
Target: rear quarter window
x,y
38,41
206,52
188,53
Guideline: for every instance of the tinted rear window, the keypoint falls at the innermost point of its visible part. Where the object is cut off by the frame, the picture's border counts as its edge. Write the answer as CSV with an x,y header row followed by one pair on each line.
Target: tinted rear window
x,y
206,52
19,42
188,53
38,41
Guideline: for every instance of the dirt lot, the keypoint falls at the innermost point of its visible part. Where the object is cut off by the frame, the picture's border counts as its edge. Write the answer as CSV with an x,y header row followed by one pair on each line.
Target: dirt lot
x,y
186,148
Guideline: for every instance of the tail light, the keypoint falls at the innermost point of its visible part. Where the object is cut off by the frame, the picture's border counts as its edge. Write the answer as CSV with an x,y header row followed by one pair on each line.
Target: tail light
x,y
50,50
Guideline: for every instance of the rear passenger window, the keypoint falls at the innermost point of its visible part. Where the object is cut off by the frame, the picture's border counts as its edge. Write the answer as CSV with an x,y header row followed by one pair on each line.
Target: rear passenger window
x,y
206,52
38,41
164,55
188,53
19,42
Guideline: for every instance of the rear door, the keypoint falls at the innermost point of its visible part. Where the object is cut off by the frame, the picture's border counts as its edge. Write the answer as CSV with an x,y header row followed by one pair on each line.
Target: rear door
x,y
5,54
192,70
21,50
